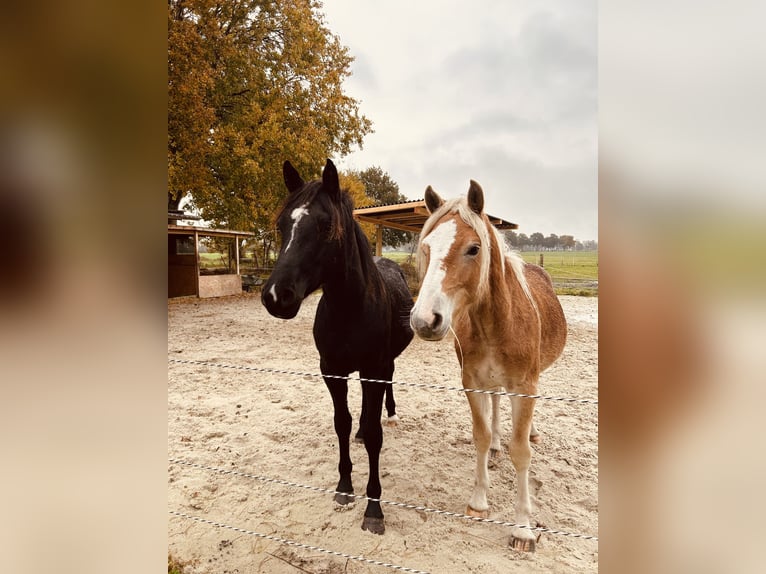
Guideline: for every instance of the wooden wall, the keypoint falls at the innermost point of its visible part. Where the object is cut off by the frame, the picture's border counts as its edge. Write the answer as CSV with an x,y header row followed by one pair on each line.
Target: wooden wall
x,y
219,285
182,271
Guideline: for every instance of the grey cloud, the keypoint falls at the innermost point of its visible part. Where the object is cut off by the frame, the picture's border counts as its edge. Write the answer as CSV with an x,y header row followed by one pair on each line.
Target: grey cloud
x,y
550,59
483,124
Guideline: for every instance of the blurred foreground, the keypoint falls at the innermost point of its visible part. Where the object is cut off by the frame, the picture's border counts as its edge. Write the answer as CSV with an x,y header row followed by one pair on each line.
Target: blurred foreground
x,y
682,287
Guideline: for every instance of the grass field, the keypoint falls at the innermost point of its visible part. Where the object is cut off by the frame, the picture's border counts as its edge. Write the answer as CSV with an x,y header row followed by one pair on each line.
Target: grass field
x,y
211,260
573,272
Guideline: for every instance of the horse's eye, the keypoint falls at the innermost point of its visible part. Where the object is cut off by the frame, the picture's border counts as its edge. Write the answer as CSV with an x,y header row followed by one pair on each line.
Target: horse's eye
x,y
472,251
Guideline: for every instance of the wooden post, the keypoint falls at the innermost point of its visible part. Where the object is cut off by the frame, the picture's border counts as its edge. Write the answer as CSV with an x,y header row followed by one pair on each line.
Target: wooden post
x,y
196,261
379,241
541,261
236,246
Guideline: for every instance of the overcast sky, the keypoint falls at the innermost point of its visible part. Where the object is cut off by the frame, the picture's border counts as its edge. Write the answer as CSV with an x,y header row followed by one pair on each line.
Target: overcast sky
x,y
502,92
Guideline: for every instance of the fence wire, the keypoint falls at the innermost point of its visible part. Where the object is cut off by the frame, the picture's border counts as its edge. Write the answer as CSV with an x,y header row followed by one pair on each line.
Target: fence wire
x,y
289,542
319,489
402,383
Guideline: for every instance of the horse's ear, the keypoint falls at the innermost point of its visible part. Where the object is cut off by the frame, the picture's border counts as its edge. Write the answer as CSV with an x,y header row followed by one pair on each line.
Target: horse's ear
x,y
433,201
475,198
293,180
330,182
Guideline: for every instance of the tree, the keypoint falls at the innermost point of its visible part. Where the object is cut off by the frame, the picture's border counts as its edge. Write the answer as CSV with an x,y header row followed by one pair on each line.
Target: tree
x,y
250,84
567,241
537,239
512,238
590,245
382,190
552,241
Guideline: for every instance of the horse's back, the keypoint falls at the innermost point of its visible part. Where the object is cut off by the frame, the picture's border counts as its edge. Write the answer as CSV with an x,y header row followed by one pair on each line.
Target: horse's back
x,y
553,324
396,284
400,301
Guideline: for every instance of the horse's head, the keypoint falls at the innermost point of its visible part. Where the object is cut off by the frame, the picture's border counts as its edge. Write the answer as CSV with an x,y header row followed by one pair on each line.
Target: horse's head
x,y
309,226
453,260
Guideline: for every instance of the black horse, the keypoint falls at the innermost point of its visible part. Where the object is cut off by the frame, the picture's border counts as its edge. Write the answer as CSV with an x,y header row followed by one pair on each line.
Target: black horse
x,y
362,320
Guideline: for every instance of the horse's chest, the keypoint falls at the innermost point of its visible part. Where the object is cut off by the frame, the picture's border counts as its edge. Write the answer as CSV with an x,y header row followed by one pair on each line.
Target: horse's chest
x,y
496,370
490,371
349,344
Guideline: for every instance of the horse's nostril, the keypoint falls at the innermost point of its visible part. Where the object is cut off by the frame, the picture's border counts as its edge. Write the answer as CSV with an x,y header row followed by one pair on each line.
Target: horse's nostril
x,y
437,321
287,296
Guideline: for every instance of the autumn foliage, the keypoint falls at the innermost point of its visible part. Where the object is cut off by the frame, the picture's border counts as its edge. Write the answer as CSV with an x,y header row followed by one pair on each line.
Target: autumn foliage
x,y
250,84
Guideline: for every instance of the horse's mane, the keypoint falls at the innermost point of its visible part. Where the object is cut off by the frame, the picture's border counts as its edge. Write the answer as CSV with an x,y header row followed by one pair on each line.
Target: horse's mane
x,y
485,230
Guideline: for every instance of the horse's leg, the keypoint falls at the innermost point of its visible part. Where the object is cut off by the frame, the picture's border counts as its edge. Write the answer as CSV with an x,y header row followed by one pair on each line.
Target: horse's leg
x,y
495,446
339,392
482,436
359,436
372,394
521,454
534,434
393,419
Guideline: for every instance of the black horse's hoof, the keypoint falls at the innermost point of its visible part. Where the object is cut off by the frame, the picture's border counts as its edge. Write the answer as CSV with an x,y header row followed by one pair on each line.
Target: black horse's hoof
x,y
374,525
359,437
344,501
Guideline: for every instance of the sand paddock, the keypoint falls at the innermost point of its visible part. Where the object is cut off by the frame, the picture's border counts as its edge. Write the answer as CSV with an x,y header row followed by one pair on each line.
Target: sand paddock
x,y
281,426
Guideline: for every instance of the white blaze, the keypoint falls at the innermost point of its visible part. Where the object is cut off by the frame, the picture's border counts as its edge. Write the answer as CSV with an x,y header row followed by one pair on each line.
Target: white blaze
x,y
297,214
440,242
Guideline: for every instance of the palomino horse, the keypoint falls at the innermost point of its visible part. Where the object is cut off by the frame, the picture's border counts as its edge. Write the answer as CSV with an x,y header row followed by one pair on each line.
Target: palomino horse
x,y
508,326
361,321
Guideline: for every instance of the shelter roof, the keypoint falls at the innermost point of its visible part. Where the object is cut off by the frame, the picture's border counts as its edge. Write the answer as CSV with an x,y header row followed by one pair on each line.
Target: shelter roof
x,y
207,231
410,216
177,214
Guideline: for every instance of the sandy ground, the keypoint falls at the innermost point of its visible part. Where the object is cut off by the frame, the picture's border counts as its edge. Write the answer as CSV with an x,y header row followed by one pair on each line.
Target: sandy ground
x,y
281,426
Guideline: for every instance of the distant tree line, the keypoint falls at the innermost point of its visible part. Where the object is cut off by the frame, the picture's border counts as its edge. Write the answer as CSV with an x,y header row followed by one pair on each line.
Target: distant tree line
x,y
538,242
522,242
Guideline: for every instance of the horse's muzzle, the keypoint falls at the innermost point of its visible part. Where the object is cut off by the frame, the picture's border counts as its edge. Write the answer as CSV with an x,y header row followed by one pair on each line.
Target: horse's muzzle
x,y
429,326
281,301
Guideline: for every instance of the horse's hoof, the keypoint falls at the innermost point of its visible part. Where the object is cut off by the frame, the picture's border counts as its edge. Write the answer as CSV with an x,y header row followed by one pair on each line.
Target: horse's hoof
x,y
522,544
392,421
359,439
344,502
477,513
374,525
494,453
535,438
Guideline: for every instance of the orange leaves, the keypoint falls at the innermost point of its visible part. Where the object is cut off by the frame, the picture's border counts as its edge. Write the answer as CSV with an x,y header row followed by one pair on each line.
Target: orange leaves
x,y
251,84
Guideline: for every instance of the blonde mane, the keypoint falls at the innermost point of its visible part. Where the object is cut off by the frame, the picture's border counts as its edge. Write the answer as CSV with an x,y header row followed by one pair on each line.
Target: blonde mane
x,y
480,224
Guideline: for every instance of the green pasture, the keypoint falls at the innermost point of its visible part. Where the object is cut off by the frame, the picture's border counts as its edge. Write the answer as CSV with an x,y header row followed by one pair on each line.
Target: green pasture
x,y
564,265
399,256
212,260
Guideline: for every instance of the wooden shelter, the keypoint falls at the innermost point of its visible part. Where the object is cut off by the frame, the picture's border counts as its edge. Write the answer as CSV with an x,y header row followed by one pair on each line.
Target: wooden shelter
x,y
407,216
186,276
